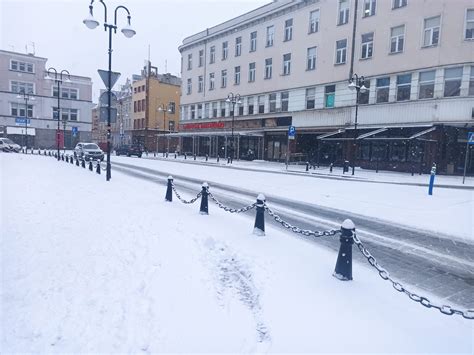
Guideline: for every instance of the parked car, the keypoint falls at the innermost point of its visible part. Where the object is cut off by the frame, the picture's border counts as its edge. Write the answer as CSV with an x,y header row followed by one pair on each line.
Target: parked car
x,y
88,151
8,145
129,150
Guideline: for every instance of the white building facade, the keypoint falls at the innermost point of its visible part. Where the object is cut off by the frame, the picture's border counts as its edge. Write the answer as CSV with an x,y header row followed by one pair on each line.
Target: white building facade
x,y
291,61
28,73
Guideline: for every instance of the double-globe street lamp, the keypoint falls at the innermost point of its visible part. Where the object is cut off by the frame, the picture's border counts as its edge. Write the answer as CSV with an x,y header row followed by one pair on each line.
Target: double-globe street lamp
x,y
163,108
27,97
356,83
233,100
58,78
128,32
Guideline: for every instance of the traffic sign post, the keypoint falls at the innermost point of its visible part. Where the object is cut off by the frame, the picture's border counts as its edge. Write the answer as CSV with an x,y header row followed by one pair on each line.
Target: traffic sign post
x,y
291,136
470,141
74,131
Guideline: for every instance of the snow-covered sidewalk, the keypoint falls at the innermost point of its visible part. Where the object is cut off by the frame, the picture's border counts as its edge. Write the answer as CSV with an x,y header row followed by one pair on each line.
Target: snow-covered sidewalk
x,y
96,266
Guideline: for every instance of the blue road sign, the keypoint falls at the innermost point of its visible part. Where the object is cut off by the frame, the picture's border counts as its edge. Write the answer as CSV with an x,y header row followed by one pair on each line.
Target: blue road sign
x,y
470,138
74,130
291,131
20,121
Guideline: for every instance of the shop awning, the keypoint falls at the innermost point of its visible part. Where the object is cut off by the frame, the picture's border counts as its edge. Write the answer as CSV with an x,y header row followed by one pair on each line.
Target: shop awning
x,y
215,133
325,135
402,133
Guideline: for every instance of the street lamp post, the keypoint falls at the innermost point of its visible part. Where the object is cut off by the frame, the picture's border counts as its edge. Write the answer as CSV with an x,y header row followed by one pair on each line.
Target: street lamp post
x,y
233,100
356,83
128,32
58,78
163,108
25,96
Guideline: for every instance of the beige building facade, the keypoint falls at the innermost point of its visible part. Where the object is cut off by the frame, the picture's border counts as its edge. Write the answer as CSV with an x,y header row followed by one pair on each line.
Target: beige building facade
x,y
291,62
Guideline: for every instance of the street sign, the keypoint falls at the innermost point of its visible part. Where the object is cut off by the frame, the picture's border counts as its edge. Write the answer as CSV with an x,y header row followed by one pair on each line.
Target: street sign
x,y
470,138
104,99
20,121
291,132
103,114
104,75
75,131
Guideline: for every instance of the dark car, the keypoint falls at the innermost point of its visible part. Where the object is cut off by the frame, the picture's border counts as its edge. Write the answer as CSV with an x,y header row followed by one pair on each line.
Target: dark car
x,y
129,150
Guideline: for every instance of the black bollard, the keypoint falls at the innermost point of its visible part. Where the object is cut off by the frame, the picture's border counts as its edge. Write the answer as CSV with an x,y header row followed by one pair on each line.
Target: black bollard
x,y
90,166
71,159
83,163
330,167
175,155
169,192
207,157
377,166
67,159
228,160
204,209
307,166
163,154
62,157
194,156
166,155
185,157
154,154
259,227
218,157
97,168
39,151
343,270
77,161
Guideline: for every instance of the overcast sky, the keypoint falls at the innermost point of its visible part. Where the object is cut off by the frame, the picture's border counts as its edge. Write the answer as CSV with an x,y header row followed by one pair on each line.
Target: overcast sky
x,y
56,29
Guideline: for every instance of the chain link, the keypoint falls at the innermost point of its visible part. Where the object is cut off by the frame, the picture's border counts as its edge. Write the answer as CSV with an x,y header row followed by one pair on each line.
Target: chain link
x,y
306,232
229,209
468,313
182,199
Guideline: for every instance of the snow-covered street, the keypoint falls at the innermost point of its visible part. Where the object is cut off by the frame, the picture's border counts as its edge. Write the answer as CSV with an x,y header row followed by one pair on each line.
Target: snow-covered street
x,y
95,266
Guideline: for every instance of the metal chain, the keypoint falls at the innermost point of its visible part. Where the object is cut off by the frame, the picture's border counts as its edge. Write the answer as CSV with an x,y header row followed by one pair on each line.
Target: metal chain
x,y
306,232
183,200
468,313
229,209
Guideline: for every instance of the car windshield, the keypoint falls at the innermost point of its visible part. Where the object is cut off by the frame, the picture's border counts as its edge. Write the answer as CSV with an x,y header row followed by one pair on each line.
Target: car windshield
x,y
9,141
91,146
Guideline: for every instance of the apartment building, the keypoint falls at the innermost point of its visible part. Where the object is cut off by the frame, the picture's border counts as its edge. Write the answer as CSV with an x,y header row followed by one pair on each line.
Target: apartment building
x,y
291,61
156,99
28,73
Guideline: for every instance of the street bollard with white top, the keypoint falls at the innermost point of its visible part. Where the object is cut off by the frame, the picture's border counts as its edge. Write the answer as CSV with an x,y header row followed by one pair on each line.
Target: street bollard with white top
x,y
259,227
169,192
204,209
343,270
432,177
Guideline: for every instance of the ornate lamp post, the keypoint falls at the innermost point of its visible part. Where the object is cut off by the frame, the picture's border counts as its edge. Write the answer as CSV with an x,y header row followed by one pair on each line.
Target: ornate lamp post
x,y
233,100
25,96
128,32
58,79
356,83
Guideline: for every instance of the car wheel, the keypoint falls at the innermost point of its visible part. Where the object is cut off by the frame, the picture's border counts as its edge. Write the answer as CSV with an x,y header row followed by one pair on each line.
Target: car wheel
x,y
128,154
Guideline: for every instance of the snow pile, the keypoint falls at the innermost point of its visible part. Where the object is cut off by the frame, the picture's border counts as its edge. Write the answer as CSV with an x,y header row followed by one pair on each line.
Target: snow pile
x,y
91,266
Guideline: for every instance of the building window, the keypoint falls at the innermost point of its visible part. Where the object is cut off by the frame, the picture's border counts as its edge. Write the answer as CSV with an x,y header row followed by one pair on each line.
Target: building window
x,y
225,50
193,112
471,82
18,110
67,114
367,45
66,93
403,87
214,110
189,87
431,31
252,72
261,104
343,12
212,55
284,97
211,81
452,81
314,21
268,68
241,110
237,75
199,111
139,108
190,61
200,84
18,86
172,107
399,3
223,78
21,66
288,29
310,98
341,51
329,95
223,103
238,46
364,96
398,151
397,39
135,106
369,8
311,58
250,105
427,83
272,98
201,57
287,64
270,35
469,33
382,89
253,41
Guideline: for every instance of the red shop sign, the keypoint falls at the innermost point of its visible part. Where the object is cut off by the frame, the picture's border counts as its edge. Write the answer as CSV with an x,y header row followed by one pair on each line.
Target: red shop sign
x,y
206,125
